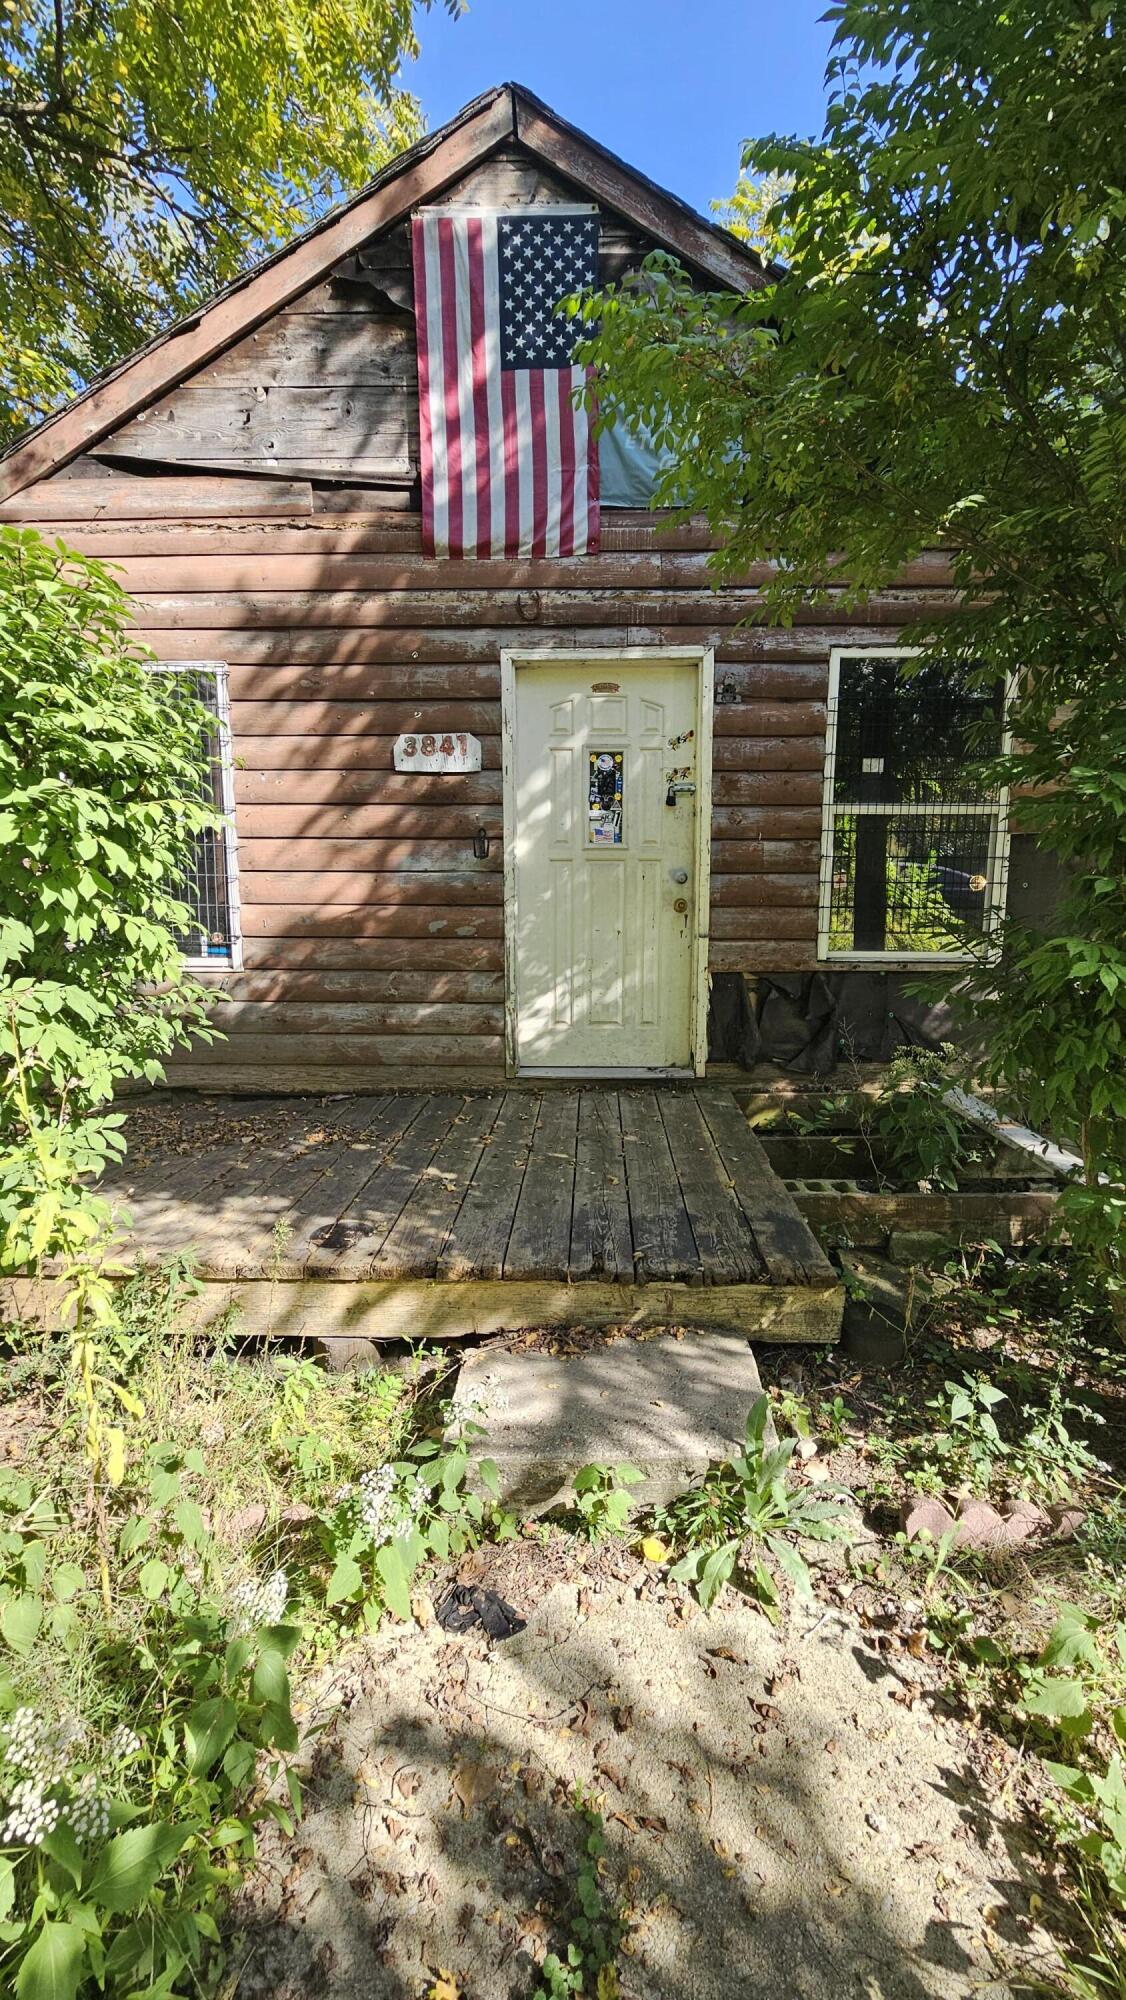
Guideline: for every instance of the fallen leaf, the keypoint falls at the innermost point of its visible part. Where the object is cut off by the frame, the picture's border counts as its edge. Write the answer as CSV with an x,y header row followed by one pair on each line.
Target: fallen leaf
x,y
473,1782
445,1987
654,1549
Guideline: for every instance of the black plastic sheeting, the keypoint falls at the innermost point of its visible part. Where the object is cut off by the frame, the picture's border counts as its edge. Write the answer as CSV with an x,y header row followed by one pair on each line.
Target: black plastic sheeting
x,y
812,1021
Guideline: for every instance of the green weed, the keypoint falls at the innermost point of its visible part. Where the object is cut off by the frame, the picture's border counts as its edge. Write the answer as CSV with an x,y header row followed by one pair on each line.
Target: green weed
x,y
602,1501
742,1510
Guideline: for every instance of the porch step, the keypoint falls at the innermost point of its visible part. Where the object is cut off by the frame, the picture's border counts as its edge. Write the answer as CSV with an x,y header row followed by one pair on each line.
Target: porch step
x,y
433,1215
667,1407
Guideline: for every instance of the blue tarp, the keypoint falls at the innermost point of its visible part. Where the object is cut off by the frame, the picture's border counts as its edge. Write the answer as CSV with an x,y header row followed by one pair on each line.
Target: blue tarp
x,y
628,467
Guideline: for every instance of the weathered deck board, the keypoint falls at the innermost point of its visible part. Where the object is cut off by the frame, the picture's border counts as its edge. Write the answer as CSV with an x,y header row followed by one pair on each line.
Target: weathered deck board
x,y
728,1249
539,1245
479,1237
791,1253
601,1243
348,1173
349,1249
663,1243
628,1187
416,1242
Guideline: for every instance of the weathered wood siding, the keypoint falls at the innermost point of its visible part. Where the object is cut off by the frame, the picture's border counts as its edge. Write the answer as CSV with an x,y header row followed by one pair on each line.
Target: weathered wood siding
x,y
372,937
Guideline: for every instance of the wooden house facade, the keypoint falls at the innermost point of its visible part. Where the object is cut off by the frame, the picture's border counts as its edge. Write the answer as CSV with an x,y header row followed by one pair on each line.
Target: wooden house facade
x,y
422,883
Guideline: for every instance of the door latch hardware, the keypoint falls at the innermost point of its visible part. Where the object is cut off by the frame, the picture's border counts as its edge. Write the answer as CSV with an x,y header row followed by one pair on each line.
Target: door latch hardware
x,y
681,905
481,843
678,785
678,874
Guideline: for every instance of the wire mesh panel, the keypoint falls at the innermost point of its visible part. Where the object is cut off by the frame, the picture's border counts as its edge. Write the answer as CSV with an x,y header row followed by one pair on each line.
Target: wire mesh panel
x,y
206,884
913,849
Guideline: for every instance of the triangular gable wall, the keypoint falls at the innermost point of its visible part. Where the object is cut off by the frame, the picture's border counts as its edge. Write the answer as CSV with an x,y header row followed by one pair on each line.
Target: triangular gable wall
x,y
244,405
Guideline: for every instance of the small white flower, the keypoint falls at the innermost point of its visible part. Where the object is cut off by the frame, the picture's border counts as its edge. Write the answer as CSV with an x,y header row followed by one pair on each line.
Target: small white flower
x,y
31,1815
377,1503
258,1602
43,1750
87,1813
123,1744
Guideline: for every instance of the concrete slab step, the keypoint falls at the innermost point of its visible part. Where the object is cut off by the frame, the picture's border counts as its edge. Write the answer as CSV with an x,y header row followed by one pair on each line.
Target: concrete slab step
x,y
667,1406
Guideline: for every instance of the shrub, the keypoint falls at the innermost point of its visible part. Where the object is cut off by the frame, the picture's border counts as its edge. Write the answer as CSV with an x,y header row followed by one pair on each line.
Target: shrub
x,y
101,774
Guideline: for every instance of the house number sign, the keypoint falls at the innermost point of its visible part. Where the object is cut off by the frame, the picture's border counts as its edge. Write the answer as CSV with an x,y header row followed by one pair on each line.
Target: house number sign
x,y
449,750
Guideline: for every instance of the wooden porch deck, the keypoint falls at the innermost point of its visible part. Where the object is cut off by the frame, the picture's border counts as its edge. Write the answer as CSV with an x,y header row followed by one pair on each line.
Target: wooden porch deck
x,y
437,1214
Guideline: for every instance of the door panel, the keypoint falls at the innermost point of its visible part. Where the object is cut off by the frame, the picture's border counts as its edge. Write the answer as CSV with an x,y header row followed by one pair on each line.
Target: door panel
x,y
603,955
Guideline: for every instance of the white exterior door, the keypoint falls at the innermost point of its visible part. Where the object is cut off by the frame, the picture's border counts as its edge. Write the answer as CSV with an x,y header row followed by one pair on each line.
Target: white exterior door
x,y
604,801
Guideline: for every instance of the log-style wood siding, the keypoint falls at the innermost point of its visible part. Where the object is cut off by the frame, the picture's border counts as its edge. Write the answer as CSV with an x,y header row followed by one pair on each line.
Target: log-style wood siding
x,y
372,936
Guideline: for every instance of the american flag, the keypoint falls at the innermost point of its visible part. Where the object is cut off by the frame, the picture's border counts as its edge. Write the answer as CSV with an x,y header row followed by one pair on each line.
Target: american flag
x,y
509,465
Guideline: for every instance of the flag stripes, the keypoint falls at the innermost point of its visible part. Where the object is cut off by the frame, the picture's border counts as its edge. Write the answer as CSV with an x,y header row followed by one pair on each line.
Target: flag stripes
x,y
509,466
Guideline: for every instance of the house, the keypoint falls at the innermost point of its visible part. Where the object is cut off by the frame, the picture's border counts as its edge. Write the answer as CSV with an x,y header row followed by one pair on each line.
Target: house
x,y
530,812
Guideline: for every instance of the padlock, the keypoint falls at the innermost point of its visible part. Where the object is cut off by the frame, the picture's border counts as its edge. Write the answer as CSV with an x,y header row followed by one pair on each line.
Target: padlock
x,y
670,796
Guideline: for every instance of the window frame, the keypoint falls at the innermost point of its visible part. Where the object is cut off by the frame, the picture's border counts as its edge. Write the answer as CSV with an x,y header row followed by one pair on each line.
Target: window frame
x,y
226,765
997,814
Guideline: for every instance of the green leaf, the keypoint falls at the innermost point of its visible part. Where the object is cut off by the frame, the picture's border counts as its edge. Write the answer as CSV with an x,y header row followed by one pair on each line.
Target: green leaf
x,y
270,1681
715,1573
52,1968
131,1864
189,1520
62,1847
346,1581
278,1727
1059,1700
281,1639
395,1577
20,1618
67,1580
207,1732
1071,1640
154,1578
792,1565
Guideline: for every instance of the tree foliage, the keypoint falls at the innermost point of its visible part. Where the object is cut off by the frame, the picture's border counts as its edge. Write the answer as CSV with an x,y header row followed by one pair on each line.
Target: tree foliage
x,y
101,770
148,150
944,365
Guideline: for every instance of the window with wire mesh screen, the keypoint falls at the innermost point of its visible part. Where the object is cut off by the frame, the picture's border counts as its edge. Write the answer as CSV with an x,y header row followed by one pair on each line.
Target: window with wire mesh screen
x,y
913,848
206,886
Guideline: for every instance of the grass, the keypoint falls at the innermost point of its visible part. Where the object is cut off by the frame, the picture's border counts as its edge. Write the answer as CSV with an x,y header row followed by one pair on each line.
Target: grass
x,y
271,1436
1013,1386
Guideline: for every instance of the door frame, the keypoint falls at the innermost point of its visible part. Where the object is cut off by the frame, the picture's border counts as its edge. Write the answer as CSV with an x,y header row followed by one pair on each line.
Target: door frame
x,y
702,660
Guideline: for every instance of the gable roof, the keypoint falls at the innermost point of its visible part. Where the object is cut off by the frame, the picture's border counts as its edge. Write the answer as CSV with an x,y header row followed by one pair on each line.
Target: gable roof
x,y
502,115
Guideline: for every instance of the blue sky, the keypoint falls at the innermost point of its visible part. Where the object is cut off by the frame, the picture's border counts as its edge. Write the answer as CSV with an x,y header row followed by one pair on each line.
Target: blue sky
x,y
673,86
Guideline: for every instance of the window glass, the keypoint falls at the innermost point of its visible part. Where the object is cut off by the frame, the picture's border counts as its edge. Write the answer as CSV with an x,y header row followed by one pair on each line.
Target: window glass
x,y
207,887
913,855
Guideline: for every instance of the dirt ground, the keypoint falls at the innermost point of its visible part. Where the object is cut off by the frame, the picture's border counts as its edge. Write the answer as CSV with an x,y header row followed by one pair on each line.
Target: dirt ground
x,y
792,1812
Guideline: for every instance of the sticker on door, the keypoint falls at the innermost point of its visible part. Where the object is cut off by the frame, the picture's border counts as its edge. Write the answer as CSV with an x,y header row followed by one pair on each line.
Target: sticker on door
x,y
604,799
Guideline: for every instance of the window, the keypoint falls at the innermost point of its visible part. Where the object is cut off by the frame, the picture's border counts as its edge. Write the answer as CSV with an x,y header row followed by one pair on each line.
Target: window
x,y
913,847
210,886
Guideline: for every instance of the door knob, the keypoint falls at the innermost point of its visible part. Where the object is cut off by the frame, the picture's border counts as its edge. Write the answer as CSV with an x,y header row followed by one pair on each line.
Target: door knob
x,y
679,874
680,905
